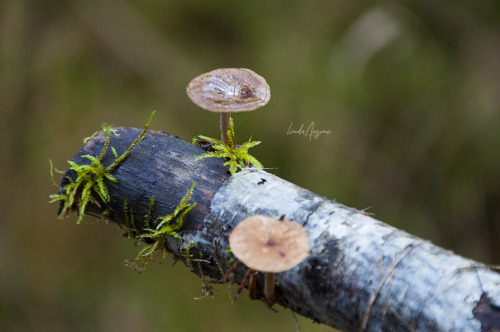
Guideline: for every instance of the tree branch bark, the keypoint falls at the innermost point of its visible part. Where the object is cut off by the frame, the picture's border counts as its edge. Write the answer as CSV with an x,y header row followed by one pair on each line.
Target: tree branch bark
x,y
361,274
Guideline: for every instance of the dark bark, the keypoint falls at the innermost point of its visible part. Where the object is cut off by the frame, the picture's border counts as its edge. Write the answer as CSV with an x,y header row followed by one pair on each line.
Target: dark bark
x,y
361,273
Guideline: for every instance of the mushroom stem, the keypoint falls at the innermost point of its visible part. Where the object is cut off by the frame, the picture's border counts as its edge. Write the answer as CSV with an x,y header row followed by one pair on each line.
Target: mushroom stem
x,y
252,286
269,288
225,122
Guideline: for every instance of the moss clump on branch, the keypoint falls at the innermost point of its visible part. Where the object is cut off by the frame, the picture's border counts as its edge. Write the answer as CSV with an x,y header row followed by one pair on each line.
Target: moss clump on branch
x,y
166,226
237,157
89,185
156,238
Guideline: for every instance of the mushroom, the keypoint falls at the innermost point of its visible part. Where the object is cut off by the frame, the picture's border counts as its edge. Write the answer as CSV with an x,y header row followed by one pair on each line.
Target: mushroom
x,y
229,90
270,246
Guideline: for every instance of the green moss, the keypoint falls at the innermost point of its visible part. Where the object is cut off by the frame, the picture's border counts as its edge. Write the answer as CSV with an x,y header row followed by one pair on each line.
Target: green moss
x,y
216,258
106,213
237,157
89,185
105,129
166,226
187,255
147,216
128,215
231,256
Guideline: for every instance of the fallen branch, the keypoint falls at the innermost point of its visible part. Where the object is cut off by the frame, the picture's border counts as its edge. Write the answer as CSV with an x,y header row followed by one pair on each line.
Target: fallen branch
x,y
361,274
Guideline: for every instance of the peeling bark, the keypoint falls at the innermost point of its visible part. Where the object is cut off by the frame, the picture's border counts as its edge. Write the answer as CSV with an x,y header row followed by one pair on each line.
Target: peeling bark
x,y
361,274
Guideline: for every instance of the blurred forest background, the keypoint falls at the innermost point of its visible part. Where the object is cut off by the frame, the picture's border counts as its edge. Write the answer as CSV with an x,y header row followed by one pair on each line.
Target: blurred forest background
x,y
410,91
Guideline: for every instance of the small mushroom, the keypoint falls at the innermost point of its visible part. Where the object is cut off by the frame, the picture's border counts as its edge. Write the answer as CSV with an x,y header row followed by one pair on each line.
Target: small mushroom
x,y
229,90
270,246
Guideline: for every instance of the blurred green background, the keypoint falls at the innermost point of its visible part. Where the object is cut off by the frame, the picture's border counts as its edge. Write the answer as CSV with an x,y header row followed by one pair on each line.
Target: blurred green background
x,y
410,91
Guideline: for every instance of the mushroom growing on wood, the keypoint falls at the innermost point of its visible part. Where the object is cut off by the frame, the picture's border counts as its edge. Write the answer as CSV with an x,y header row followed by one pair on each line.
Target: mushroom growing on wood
x,y
269,245
229,90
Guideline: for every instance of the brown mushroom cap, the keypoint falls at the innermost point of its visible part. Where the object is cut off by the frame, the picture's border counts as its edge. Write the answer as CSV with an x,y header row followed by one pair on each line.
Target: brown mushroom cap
x,y
269,245
229,90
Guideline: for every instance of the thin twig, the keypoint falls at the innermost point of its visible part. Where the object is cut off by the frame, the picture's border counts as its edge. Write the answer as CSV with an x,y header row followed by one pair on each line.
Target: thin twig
x,y
229,271
242,285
